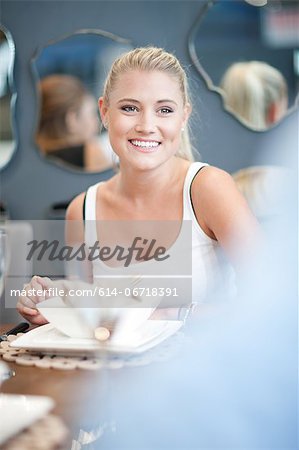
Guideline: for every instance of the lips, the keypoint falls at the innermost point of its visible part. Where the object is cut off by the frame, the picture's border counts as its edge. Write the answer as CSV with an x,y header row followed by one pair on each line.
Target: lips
x,y
144,145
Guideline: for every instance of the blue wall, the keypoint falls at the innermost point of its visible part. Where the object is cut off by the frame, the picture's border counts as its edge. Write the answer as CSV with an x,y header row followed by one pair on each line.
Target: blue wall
x,y
29,184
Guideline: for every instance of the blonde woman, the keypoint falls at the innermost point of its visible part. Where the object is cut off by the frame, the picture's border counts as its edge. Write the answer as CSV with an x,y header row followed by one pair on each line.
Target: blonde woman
x,y
145,107
256,92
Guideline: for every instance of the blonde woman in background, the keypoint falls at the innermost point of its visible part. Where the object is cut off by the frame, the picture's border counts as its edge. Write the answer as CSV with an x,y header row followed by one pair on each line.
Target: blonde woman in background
x,y
145,107
256,92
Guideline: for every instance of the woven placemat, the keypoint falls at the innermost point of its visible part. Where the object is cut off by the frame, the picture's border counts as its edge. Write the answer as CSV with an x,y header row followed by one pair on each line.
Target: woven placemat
x,y
161,352
48,433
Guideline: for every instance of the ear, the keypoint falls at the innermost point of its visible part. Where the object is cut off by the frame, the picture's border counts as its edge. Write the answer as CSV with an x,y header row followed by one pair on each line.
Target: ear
x,y
187,112
103,108
272,114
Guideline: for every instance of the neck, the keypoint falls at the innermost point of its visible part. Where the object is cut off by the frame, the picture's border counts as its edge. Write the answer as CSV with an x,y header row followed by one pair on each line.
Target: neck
x,y
143,185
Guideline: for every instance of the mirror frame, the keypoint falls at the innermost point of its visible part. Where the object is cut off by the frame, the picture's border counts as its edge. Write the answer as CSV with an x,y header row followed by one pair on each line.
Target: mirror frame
x,y
84,31
13,94
208,80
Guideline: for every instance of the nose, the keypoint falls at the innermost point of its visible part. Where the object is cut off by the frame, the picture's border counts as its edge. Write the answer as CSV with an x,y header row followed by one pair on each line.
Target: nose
x,y
146,123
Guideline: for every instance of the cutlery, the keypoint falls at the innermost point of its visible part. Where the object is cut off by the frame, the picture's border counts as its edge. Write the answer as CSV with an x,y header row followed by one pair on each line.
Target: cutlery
x,y
20,328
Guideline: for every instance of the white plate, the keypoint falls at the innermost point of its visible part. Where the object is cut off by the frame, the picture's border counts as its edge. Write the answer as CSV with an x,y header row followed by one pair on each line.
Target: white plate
x,y
48,339
17,412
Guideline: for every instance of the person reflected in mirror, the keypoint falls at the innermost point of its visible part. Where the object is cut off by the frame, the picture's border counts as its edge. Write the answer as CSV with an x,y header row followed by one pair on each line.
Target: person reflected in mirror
x,y
69,125
145,107
256,92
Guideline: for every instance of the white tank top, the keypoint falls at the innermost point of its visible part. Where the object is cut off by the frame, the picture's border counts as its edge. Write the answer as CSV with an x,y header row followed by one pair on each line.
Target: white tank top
x,y
210,269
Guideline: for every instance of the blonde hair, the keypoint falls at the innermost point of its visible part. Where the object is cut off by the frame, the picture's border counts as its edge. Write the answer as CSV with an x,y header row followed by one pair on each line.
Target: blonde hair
x,y
261,186
151,59
251,88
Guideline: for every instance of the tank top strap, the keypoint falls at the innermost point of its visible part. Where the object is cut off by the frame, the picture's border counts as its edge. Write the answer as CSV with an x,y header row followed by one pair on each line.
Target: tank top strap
x,y
90,214
91,202
192,172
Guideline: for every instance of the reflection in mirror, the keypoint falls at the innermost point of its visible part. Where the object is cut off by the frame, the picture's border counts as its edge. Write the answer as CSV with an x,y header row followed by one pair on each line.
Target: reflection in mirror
x,y
70,74
7,98
248,55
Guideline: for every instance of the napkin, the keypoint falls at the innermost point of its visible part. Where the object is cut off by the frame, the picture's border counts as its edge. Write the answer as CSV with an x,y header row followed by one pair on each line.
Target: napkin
x,y
76,321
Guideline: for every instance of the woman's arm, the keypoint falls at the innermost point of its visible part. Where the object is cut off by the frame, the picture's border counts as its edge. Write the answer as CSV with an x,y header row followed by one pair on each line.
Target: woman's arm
x,y
74,224
75,235
74,230
224,215
75,208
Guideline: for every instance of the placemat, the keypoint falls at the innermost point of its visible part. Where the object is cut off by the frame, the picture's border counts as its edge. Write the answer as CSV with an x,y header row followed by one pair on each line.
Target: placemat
x,y
48,433
162,352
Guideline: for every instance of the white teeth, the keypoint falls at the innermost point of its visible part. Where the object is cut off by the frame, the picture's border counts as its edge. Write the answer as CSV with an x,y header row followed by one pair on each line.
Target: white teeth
x,y
145,144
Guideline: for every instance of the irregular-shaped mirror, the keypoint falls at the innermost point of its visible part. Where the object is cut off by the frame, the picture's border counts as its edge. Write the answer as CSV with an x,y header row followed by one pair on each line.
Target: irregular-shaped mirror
x,y
249,55
7,96
70,77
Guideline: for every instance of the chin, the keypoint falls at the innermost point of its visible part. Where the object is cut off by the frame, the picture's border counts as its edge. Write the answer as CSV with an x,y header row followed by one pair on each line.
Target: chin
x,y
150,164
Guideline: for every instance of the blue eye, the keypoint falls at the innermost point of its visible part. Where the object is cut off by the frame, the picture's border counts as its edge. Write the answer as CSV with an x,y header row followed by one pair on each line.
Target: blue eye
x,y
165,111
129,109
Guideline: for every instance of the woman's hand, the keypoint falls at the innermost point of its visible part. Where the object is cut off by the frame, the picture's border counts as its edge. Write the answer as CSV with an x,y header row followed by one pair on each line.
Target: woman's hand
x,y
26,305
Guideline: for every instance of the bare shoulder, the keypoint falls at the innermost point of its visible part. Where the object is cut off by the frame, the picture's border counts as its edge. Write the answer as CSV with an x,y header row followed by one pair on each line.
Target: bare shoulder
x,y
75,208
212,187
212,179
74,226
217,202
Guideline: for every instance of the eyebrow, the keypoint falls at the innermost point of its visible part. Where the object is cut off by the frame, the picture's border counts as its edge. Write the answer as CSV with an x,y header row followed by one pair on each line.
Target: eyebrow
x,y
137,101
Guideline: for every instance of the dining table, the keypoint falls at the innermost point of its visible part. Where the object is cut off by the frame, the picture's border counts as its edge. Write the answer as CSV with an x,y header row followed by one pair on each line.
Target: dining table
x,y
78,395
86,401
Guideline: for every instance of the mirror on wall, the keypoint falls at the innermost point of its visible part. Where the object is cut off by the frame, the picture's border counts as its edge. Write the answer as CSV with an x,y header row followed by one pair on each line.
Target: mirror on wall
x,y
249,55
70,76
7,97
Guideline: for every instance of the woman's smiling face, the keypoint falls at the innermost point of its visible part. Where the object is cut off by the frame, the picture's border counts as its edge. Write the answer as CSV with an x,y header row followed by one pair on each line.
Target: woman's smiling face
x,y
145,117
